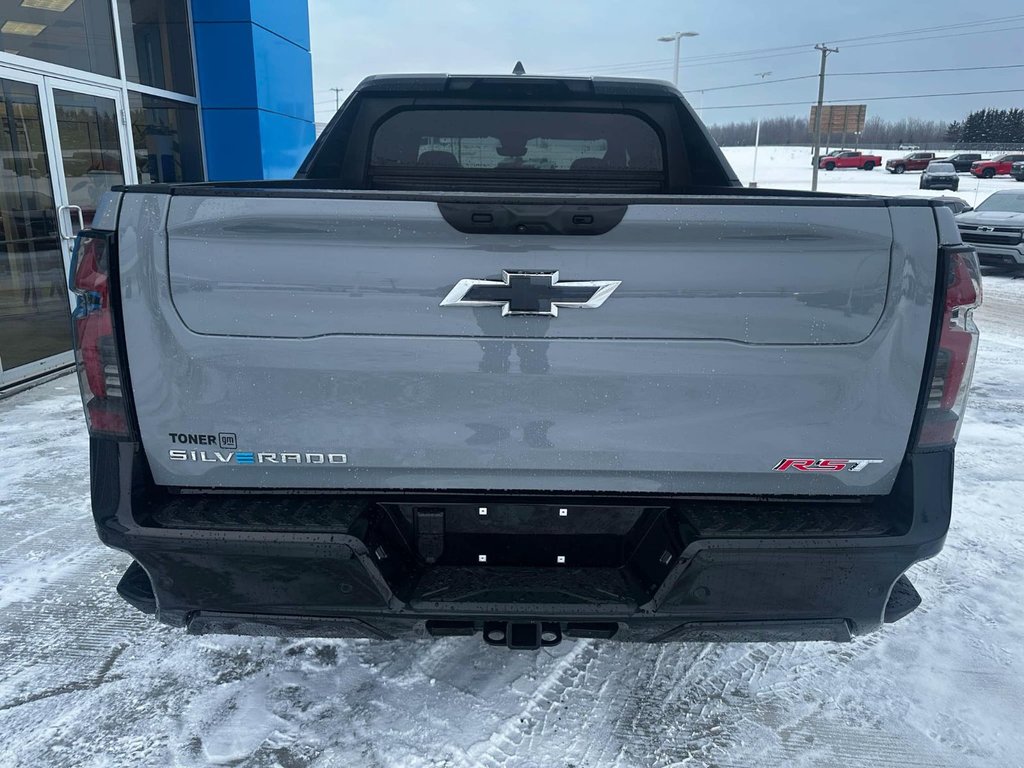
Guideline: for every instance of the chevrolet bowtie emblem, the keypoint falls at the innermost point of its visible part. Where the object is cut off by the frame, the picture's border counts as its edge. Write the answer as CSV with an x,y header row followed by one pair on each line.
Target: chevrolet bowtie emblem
x,y
529,293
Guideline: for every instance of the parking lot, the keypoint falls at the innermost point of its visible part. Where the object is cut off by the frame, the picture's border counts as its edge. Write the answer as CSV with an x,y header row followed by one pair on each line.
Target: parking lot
x,y
790,168
85,680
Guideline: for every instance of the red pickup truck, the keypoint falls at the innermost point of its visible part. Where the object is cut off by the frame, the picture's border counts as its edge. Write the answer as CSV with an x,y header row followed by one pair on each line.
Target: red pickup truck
x,y
915,161
997,166
849,159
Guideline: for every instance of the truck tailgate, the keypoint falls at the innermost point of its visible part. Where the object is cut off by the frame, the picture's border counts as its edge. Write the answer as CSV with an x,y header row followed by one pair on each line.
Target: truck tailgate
x,y
300,342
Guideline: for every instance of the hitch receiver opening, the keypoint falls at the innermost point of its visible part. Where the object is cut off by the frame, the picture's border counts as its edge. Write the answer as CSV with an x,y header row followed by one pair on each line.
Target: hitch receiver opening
x,y
522,635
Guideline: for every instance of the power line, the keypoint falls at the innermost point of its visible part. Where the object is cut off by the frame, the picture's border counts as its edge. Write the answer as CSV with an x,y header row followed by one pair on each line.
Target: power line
x,y
937,37
755,83
919,71
755,54
980,22
869,99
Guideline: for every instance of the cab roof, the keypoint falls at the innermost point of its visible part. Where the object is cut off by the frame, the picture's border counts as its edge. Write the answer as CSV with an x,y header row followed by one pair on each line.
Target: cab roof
x,y
528,85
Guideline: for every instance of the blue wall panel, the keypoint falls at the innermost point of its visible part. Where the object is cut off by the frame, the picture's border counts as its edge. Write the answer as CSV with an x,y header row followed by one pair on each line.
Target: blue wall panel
x,y
284,75
227,79
223,10
288,19
233,144
286,140
255,86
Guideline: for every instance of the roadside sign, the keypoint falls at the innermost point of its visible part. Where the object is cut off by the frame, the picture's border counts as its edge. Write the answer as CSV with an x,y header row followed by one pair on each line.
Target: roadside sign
x,y
840,118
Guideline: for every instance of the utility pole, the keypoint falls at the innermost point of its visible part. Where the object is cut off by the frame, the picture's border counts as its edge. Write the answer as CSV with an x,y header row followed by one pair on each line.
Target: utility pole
x,y
337,100
825,51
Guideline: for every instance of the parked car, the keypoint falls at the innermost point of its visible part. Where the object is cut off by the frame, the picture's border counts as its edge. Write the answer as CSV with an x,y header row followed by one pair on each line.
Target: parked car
x,y
388,398
916,161
850,159
998,166
907,147
962,161
940,175
1017,170
996,229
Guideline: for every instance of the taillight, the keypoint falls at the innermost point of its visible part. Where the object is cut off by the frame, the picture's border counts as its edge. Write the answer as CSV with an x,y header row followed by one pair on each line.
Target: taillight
x,y
96,348
958,344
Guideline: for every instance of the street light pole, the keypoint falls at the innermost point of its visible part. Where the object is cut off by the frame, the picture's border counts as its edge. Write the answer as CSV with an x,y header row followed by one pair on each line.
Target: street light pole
x,y
757,143
757,136
675,65
675,38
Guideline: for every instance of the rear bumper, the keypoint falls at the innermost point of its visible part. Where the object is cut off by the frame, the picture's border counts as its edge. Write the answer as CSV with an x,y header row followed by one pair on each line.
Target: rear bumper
x,y
722,582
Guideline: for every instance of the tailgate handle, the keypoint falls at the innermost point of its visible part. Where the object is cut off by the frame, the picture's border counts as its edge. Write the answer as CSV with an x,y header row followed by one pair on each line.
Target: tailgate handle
x,y
532,218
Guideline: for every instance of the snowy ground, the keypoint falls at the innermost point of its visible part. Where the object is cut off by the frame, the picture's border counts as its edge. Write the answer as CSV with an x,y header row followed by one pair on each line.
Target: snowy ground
x,y
85,680
790,168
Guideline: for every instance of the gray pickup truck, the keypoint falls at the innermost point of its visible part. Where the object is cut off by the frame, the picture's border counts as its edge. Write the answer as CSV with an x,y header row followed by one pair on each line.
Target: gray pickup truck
x,y
996,229
519,357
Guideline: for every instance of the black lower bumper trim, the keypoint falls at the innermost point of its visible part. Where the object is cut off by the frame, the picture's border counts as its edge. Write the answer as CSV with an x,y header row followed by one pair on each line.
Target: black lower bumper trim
x,y
902,600
521,635
137,590
666,570
835,630
216,622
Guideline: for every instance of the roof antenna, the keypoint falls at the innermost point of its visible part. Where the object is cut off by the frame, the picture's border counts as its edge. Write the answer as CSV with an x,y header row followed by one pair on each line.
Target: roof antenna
x,y
518,69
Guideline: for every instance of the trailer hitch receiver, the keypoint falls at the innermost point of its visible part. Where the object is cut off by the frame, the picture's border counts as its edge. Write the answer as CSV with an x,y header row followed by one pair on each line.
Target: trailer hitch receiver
x,y
522,635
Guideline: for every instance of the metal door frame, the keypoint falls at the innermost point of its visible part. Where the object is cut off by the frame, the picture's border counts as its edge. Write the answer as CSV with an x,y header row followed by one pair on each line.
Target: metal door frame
x,y
45,86
46,117
66,223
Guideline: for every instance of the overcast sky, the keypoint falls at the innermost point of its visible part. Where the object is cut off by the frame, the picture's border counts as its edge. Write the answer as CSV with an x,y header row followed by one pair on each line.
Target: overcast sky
x,y
599,37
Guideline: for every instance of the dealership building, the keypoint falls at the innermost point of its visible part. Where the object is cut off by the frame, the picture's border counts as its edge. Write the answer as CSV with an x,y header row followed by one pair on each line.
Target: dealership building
x,y
96,93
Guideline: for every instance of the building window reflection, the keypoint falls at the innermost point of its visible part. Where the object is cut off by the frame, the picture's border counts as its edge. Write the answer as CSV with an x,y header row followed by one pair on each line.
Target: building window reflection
x,y
72,33
165,135
33,293
157,45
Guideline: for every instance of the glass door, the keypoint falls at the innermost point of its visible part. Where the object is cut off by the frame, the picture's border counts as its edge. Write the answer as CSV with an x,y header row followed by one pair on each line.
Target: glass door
x,y
89,125
62,145
34,326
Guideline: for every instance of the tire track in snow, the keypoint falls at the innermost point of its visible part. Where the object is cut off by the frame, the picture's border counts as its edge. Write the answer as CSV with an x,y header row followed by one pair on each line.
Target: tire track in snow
x,y
683,709
568,673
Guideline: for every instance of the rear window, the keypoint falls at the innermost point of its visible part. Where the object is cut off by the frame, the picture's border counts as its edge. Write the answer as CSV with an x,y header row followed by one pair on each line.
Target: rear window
x,y
517,140
941,168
